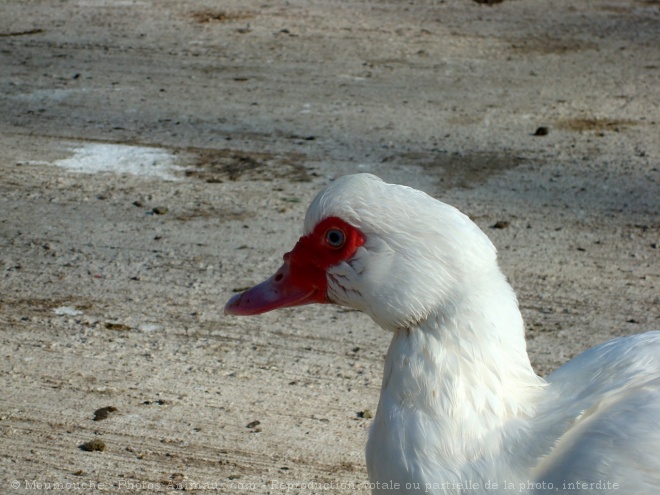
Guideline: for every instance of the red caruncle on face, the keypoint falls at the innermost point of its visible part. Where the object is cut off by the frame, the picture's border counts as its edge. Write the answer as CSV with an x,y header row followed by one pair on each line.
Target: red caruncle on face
x,y
302,278
332,241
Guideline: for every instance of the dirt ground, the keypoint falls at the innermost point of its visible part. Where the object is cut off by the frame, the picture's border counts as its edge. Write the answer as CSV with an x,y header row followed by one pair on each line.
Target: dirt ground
x,y
158,156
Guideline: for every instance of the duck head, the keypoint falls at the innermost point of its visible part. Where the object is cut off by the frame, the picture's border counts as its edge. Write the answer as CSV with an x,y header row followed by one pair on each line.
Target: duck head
x,y
390,251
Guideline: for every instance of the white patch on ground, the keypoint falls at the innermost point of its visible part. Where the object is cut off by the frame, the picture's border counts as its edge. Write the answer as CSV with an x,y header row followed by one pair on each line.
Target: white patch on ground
x,y
91,158
54,94
150,327
67,311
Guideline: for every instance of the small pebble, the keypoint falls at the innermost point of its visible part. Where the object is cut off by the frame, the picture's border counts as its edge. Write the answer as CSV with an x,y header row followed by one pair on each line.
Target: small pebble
x,y
500,224
93,446
119,327
103,413
366,414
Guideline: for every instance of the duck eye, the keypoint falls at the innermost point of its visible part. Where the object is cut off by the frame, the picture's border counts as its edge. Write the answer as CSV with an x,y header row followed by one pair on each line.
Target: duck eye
x,y
335,238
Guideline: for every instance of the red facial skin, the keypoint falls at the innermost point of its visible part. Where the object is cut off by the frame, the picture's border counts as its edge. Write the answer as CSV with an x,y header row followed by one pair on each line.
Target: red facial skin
x,y
302,277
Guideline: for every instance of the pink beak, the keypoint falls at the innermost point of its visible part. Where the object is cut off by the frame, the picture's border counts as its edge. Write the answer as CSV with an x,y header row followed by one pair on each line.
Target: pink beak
x,y
279,291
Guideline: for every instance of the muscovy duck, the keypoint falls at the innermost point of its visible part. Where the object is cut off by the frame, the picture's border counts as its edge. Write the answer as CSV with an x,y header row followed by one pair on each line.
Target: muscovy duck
x,y
461,410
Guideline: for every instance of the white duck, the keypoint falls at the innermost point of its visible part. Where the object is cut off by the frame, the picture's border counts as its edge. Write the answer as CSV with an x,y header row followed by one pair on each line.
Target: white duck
x,y
461,411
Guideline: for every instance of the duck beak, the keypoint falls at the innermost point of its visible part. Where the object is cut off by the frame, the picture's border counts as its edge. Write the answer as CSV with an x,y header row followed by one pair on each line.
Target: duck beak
x,y
279,291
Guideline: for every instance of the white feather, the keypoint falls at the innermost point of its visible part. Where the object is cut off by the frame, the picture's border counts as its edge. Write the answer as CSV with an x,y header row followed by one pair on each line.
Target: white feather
x,y
461,410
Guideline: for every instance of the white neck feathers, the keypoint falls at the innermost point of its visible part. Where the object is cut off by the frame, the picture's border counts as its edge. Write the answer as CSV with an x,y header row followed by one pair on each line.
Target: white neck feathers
x,y
458,388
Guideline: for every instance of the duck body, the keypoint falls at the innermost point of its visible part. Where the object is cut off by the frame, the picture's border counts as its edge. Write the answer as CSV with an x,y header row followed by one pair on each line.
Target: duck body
x,y
461,410
592,427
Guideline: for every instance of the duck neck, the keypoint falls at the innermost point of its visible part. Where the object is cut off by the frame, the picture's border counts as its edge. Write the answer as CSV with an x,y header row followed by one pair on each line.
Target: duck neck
x,y
461,380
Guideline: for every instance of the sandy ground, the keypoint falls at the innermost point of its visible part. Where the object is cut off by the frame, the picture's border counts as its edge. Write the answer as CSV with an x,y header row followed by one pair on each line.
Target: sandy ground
x,y
158,156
